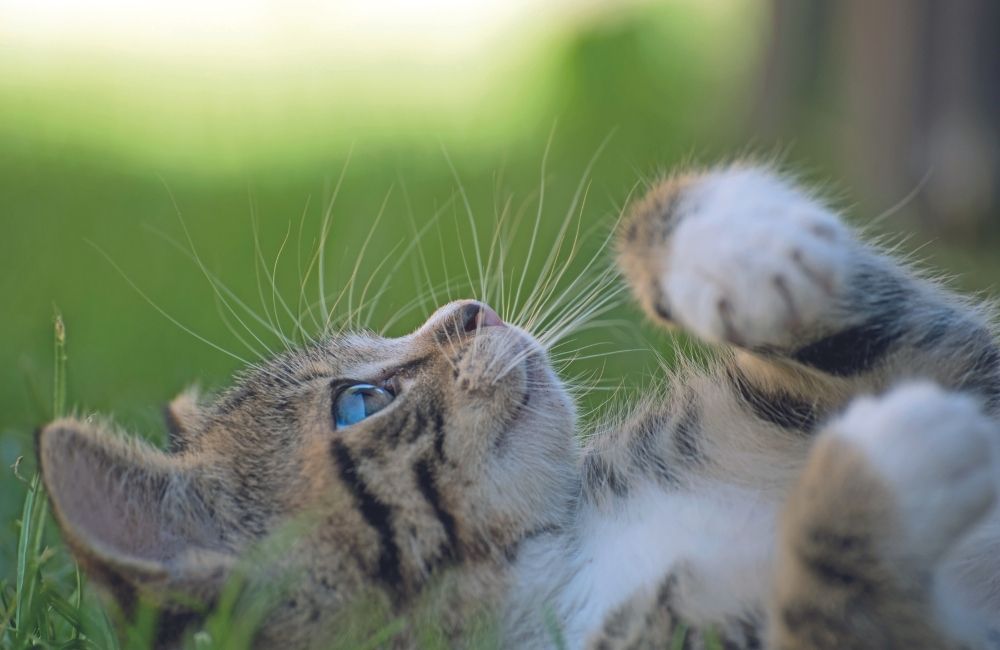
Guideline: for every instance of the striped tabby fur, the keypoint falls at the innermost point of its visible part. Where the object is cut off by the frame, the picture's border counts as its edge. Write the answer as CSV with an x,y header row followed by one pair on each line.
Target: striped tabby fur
x,y
759,501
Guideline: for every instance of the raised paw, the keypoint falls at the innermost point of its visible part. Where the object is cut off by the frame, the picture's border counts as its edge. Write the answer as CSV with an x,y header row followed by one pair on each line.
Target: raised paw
x,y
737,255
933,449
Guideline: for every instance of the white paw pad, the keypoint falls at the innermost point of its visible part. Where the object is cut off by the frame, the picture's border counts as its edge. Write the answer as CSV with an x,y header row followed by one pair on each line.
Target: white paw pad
x,y
754,260
934,450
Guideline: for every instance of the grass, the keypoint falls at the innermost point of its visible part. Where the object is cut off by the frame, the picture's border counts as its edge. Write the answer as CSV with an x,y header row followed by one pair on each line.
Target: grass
x,y
37,613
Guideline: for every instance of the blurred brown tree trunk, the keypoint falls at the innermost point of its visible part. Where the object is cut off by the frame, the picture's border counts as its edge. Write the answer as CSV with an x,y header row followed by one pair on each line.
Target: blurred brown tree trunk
x,y
905,93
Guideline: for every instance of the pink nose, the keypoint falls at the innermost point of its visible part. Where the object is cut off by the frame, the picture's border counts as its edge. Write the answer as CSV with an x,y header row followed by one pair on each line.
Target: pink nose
x,y
477,315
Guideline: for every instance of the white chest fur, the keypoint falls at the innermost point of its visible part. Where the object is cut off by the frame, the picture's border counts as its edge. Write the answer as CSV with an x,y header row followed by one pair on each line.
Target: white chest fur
x,y
719,538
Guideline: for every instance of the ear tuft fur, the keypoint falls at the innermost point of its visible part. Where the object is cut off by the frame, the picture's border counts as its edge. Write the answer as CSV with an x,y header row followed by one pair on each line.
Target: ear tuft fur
x,y
184,418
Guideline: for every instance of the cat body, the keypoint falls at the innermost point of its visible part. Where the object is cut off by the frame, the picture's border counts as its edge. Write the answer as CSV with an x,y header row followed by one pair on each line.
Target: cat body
x,y
763,499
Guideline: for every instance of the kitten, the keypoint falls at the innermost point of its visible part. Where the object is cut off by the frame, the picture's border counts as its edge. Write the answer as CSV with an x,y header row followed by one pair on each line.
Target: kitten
x,y
763,500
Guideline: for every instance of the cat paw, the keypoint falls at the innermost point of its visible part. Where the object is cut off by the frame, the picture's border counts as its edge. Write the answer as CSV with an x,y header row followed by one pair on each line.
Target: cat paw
x,y
754,261
933,449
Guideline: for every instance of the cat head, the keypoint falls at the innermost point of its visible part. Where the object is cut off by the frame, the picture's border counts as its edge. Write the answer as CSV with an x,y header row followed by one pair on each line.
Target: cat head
x,y
391,457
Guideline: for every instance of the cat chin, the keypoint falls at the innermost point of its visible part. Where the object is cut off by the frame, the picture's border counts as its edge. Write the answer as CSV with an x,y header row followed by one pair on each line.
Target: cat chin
x,y
544,392
546,419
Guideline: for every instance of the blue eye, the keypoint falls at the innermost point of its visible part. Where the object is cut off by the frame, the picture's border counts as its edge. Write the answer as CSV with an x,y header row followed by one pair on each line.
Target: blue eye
x,y
354,403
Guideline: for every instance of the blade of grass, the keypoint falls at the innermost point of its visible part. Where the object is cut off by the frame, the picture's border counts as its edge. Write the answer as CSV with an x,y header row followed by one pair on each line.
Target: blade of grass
x,y
35,511
61,606
22,597
59,370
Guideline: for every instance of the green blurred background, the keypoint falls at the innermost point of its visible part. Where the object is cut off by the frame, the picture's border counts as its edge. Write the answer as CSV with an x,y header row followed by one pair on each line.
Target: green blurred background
x,y
241,116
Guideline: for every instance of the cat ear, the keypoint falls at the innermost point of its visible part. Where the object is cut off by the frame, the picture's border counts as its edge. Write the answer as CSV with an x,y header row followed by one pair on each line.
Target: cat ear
x,y
184,417
136,519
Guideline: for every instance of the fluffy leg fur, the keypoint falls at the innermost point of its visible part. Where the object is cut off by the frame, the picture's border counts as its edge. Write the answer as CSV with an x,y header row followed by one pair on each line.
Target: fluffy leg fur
x,y
808,317
888,490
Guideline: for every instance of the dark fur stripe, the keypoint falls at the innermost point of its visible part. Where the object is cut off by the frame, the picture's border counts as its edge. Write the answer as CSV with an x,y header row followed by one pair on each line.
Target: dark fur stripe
x,y
843,561
832,571
687,432
393,437
778,408
428,487
936,330
412,365
644,446
812,625
439,435
852,351
417,428
599,474
665,602
376,514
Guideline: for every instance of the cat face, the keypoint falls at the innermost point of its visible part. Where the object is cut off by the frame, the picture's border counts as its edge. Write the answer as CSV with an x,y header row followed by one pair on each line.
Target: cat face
x,y
392,456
